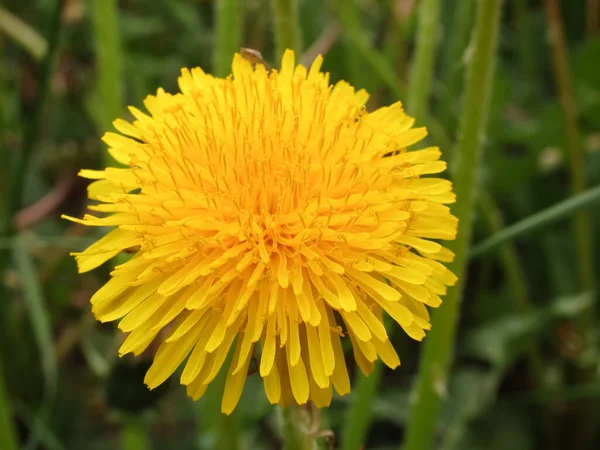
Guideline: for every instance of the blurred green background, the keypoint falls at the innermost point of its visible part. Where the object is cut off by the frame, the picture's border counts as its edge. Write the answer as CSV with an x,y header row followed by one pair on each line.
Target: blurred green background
x,y
525,374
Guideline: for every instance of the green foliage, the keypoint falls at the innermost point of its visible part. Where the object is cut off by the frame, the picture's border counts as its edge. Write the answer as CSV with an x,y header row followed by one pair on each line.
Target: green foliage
x,y
65,386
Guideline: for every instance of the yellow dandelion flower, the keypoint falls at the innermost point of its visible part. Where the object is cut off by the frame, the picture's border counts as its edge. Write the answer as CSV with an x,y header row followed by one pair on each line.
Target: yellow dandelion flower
x,y
269,210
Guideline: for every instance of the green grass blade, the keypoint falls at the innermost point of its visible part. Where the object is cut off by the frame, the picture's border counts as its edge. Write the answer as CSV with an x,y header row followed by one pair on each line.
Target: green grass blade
x,y
24,35
453,60
348,15
218,430
438,346
421,73
287,27
48,438
42,330
358,418
582,228
8,434
537,221
16,184
229,21
110,66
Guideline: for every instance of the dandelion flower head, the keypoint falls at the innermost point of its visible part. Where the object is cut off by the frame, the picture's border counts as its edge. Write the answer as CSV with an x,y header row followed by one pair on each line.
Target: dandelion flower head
x,y
270,214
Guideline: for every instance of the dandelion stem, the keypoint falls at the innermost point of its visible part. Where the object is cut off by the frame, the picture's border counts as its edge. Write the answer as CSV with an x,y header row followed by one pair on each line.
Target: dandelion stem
x,y
421,72
438,347
287,26
229,21
293,435
105,16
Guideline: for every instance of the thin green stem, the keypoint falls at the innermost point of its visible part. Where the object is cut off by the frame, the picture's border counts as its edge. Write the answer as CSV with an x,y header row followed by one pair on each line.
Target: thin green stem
x,y
229,20
576,153
438,347
24,35
537,221
358,417
219,430
453,59
286,26
348,16
421,72
582,228
105,16
8,434
526,45
15,188
395,47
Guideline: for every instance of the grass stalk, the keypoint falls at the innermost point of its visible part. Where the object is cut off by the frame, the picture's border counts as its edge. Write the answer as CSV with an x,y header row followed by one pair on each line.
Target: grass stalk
x,y
42,330
421,73
349,18
358,417
218,430
105,16
438,347
526,46
24,35
575,149
8,434
395,46
454,61
537,221
228,20
14,192
582,228
348,15
286,27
